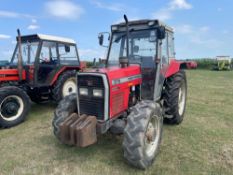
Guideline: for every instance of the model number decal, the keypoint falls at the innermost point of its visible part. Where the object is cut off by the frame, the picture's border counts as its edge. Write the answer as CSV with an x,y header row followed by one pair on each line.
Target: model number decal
x,y
126,79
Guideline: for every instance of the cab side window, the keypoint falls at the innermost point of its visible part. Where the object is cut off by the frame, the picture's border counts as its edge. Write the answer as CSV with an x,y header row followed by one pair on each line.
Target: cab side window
x,y
171,50
67,53
29,50
164,53
48,53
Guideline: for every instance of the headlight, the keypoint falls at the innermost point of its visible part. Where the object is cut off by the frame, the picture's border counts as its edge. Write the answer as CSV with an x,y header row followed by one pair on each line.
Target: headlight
x,y
83,91
97,93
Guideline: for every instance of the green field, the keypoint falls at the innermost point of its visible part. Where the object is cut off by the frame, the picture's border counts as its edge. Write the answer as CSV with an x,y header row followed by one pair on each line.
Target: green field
x,y
202,144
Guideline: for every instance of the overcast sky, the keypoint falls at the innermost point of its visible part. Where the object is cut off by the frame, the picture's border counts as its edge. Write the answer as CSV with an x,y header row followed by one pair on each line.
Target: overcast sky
x,y
203,28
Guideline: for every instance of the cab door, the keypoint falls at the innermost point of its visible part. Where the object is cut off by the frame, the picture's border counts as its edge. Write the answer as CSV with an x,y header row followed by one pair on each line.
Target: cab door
x,y
165,55
166,51
48,62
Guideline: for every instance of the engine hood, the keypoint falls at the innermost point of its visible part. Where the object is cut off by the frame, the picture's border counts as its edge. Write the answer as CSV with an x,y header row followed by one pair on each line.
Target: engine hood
x,y
117,74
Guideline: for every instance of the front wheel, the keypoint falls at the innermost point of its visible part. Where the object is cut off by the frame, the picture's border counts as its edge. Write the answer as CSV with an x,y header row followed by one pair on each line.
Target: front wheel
x,y
66,107
143,133
14,106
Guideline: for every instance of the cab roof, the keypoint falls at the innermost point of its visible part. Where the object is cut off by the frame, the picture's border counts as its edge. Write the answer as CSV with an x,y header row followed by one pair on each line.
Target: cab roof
x,y
145,23
36,37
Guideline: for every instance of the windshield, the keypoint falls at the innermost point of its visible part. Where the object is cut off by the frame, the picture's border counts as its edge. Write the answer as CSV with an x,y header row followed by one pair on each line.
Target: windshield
x,y
29,50
142,47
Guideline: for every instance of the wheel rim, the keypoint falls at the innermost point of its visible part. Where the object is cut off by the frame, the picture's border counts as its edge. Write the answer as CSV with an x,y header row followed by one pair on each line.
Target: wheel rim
x,y
182,98
11,107
69,87
152,136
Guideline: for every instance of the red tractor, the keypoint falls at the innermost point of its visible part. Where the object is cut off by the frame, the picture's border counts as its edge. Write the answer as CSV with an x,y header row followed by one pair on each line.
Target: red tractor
x,y
42,67
190,64
140,86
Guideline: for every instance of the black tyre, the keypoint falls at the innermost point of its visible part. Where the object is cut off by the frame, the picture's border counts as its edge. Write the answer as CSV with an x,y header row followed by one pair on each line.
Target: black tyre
x,y
175,95
66,107
142,134
65,85
14,106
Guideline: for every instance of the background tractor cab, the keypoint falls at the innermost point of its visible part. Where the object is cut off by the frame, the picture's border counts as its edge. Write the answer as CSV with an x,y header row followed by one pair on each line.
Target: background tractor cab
x,y
42,68
140,84
43,56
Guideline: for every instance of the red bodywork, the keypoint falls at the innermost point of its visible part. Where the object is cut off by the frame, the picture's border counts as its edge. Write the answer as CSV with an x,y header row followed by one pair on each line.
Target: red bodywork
x,y
63,69
119,93
83,65
173,68
191,64
11,75
31,72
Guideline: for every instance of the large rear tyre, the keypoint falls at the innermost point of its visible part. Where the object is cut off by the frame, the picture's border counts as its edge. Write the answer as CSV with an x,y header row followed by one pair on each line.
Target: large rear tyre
x,y
65,85
175,95
142,134
14,106
66,107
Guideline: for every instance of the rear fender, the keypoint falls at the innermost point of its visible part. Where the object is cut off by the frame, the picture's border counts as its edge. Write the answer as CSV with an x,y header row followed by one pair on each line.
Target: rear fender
x,y
63,69
174,67
83,65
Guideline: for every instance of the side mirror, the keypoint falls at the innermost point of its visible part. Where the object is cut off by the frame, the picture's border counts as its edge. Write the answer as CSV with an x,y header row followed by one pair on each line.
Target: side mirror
x,y
67,48
161,32
101,39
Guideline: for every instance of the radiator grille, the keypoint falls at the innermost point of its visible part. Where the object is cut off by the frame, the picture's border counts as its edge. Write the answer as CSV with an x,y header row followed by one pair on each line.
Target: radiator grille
x,y
91,105
90,81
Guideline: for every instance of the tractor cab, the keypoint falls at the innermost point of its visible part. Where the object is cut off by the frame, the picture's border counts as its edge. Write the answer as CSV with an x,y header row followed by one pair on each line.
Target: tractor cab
x,y
145,43
43,56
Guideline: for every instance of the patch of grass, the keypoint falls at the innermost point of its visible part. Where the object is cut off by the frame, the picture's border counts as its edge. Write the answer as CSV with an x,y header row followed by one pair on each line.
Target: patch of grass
x,y
202,144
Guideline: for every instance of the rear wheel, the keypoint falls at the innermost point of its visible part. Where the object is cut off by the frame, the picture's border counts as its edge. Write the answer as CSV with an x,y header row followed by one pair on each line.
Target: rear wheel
x,y
14,106
175,94
66,107
65,85
142,135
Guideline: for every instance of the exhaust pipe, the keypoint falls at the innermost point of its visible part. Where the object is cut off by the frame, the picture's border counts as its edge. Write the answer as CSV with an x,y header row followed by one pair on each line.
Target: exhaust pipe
x,y
127,35
124,61
20,59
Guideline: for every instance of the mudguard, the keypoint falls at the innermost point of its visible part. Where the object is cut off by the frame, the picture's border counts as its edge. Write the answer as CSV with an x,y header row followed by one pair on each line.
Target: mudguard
x,y
174,67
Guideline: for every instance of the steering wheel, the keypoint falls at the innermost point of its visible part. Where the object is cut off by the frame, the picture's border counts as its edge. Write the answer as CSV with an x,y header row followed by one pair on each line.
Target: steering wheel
x,y
53,60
